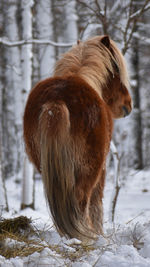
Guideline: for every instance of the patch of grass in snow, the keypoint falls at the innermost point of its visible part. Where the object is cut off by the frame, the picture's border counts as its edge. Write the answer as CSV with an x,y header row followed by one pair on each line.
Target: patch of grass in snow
x,y
16,238
20,225
19,238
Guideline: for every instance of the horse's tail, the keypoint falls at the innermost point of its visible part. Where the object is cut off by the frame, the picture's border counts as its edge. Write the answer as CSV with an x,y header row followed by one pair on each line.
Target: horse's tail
x,y
58,169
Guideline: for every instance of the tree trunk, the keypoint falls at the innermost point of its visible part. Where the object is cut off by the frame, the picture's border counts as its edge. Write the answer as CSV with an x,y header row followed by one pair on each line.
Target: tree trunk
x,y
12,85
136,160
3,197
71,30
44,29
144,55
27,187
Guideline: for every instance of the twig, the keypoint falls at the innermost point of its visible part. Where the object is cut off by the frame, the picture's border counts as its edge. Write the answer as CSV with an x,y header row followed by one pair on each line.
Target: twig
x,y
116,182
141,213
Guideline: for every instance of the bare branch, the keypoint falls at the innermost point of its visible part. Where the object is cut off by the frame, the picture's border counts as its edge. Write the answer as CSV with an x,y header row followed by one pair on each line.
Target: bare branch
x,y
133,18
127,41
83,31
116,182
98,6
87,6
98,12
139,12
8,43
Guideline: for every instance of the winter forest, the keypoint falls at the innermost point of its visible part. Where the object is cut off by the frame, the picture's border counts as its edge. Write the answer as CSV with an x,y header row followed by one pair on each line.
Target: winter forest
x,y
33,35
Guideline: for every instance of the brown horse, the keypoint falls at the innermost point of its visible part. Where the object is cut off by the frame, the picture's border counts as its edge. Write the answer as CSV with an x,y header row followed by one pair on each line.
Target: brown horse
x,y
68,124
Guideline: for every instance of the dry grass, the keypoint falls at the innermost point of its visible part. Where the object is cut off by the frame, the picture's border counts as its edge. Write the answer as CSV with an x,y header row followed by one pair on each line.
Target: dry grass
x,y
17,225
18,237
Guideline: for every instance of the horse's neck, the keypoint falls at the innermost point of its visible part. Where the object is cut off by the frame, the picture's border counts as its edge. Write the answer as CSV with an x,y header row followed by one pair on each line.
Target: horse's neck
x,y
93,82
94,79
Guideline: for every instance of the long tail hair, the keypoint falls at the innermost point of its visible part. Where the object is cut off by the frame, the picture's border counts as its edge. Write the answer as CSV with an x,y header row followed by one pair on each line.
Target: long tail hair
x,y
58,171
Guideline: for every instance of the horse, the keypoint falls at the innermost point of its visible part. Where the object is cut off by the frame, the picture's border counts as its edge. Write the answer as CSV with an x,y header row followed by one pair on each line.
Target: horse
x,y
68,125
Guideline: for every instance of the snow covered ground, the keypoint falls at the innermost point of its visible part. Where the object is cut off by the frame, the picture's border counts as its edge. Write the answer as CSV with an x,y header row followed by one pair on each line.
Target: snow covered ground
x,y
126,243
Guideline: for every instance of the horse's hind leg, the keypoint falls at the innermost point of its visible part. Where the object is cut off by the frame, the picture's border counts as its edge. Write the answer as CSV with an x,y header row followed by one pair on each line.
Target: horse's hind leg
x,y
96,205
83,197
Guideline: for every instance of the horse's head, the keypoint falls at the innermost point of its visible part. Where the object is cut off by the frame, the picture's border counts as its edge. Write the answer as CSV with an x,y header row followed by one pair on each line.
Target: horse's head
x,y
115,93
117,97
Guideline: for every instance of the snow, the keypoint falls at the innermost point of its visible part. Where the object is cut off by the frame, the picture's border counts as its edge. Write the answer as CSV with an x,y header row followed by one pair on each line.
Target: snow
x,y
126,243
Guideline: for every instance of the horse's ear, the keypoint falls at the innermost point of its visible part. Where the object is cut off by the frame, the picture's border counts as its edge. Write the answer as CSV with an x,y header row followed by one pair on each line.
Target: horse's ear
x,y
78,42
106,41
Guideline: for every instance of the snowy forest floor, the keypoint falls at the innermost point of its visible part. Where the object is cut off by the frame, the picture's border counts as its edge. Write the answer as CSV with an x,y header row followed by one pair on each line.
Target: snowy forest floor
x,y
126,243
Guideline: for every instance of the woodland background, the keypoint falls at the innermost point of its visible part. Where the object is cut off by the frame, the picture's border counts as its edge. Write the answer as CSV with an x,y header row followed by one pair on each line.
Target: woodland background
x,y
33,35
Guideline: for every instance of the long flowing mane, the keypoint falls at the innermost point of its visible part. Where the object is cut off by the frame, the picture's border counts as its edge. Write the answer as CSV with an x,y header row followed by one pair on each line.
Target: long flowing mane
x,y
68,124
93,61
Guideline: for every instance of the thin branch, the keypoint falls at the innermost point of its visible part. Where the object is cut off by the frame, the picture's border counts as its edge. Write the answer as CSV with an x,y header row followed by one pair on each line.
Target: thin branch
x,y
126,45
83,31
87,6
8,43
98,6
128,23
139,12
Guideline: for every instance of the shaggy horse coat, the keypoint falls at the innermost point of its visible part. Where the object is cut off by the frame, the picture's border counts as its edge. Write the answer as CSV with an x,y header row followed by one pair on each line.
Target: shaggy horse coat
x,y
68,123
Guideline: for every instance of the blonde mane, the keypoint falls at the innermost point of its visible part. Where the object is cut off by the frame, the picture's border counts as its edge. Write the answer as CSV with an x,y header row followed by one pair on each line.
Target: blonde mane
x,y
93,62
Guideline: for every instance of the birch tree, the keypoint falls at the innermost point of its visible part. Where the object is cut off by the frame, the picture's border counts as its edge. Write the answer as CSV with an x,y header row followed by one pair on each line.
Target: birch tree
x,y
26,5
71,30
10,76
144,81
3,197
16,81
